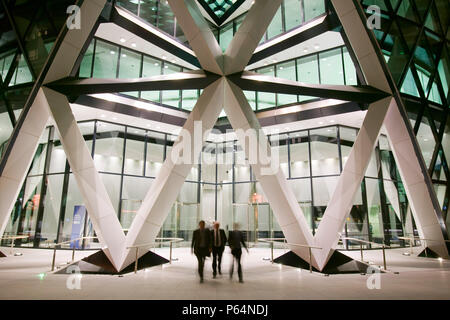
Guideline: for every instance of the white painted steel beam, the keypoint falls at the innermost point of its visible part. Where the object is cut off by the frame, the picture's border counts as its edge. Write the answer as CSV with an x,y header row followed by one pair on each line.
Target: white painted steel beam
x,y
34,122
285,206
96,199
199,34
167,185
249,34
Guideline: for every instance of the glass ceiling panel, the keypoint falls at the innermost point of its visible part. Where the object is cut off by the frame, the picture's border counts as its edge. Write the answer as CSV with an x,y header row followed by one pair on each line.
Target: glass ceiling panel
x,y
219,7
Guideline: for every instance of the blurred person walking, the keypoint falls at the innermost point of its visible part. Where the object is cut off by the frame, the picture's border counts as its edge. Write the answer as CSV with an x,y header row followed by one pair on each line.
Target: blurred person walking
x,y
236,241
201,246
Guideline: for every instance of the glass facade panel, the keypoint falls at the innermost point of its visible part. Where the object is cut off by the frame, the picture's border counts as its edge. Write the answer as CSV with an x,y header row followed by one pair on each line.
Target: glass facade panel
x,y
151,67
324,151
293,13
86,63
276,26
134,152
313,8
105,61
331,71
299,154
109,147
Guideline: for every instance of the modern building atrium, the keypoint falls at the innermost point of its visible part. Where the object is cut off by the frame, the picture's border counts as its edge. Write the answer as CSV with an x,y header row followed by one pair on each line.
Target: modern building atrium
x,y
318,130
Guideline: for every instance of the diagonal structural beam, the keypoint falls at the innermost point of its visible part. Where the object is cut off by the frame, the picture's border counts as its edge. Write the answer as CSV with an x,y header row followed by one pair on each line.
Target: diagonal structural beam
x,y
33,119
199,35
98,204
349,182
253,81
167,185
289,214
412,169
249,34
175,81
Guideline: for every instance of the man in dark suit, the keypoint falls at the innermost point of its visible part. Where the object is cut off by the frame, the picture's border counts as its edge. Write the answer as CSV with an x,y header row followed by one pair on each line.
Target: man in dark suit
x,y
235,239
219,239
201,246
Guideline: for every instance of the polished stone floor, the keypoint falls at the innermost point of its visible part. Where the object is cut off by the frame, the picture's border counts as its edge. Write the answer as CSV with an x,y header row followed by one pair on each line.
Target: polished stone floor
x,y
29,277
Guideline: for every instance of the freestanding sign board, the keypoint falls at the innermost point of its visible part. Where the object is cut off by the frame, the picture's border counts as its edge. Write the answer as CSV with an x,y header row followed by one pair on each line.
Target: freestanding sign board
x,y
79,214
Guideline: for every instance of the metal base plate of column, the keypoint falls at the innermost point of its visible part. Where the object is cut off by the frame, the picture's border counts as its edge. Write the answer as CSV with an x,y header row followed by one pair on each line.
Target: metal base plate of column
x,y
428,253
339,263
98,263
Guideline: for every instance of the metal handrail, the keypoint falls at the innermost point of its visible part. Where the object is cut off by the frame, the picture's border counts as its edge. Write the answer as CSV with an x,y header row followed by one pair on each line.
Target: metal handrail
x,y
14,238
149,244
275,240
73,249
411,239
368,242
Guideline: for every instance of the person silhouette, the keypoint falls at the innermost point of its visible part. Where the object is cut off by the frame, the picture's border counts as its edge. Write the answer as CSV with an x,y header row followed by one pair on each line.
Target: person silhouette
x,y
236,241
201,246
219,239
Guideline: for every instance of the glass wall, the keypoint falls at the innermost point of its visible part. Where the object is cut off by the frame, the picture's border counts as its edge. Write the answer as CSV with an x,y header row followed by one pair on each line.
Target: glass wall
x,y
291,14
333,66
222,187
156,12
108,60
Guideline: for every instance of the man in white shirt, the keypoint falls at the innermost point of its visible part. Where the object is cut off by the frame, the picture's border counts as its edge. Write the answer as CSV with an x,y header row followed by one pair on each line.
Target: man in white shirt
x,y
219,239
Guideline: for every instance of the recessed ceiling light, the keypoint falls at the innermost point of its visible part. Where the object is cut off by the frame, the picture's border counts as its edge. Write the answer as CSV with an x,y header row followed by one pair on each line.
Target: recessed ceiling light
x,y
164,57
122,40
124,55
166,67
305,50
275,60
281,68
103,116
320,122
173,61
156,64
112,52
316,46
114,118
133,45
332,121
425,139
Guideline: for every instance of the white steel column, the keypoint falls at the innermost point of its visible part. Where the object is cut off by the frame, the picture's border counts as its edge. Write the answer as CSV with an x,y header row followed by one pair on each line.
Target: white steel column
x,y
100,209
249,34
429,221
410,163
349,182
26,143
288,212
199,35
167,185
19,161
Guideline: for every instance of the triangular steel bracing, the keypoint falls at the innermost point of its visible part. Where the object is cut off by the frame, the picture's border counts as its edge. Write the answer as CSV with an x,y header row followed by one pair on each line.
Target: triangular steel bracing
x,y
385,109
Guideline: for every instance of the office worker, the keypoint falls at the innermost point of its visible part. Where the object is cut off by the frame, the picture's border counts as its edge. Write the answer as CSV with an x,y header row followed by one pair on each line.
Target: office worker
x,y
201,246
236,241
219,239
